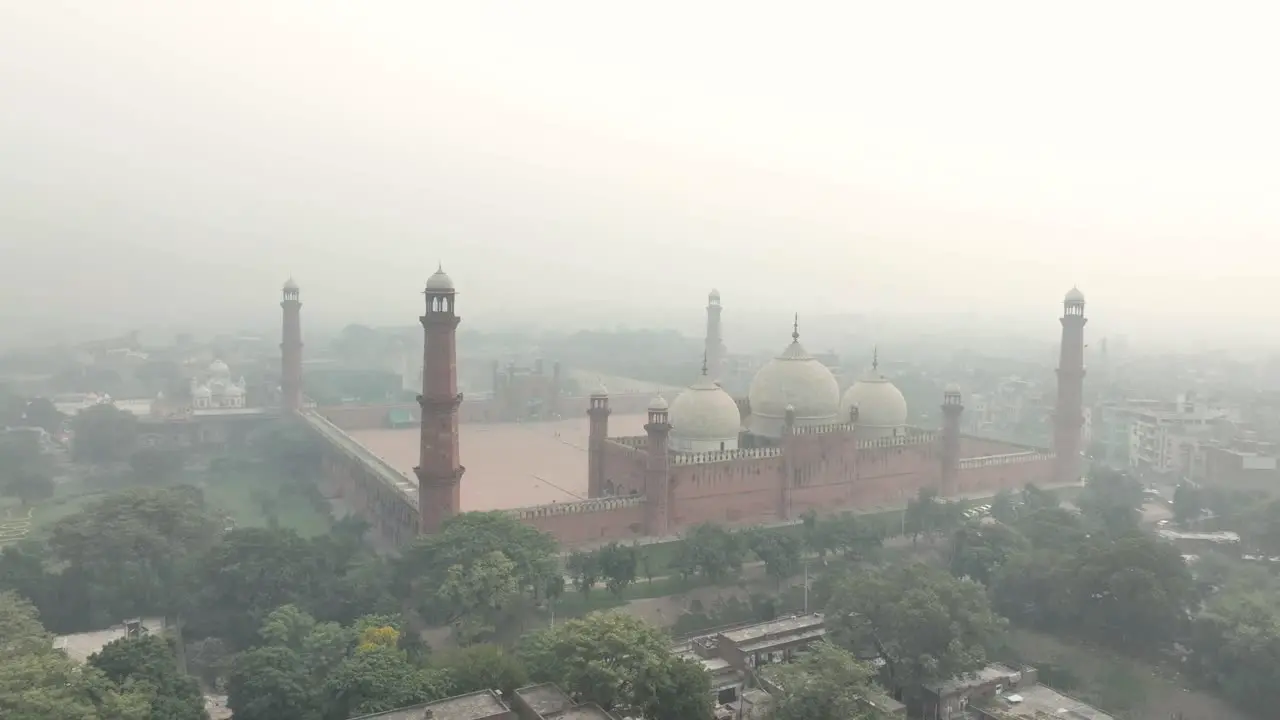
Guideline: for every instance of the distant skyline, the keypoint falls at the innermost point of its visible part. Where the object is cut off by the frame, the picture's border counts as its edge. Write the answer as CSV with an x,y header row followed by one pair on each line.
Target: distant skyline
x,y
171,164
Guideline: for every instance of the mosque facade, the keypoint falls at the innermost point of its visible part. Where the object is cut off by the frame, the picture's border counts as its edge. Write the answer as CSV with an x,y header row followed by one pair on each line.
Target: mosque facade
x,y
794,444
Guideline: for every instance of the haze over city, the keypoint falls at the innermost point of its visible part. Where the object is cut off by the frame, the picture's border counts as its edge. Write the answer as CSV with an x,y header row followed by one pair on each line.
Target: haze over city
x,y
176,161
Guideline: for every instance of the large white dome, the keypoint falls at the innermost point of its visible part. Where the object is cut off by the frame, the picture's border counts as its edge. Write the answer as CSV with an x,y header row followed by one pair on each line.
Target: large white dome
x,y
882,410
793,378
704,417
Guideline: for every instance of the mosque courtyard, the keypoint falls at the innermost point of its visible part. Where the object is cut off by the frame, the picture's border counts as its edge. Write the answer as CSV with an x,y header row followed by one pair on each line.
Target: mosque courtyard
x,y
509,465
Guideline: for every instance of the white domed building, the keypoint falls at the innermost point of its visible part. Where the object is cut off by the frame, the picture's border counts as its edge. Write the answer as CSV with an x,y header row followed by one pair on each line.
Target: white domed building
x,y
875,405
218,391
796,379
703,418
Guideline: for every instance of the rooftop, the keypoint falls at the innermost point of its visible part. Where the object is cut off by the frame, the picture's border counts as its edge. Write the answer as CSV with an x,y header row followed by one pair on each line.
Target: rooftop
x,y
582,712
474,706
79,646
781,626
1039,701
545,699
988,674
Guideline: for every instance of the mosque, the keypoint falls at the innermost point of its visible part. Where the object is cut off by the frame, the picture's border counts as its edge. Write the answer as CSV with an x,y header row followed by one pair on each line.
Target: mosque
x,y
795,444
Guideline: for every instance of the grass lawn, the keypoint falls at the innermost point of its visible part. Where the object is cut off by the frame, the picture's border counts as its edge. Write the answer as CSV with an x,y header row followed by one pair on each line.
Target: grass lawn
x,y
236,492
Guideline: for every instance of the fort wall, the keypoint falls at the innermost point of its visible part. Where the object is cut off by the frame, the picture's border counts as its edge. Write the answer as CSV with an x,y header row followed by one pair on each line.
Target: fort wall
x,y
1010,471
587,521
729,487
972,446
623,468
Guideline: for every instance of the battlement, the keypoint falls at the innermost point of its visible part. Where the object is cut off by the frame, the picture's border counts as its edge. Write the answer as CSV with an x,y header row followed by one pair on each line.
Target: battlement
x,y
829,429
716,456
638,442
1009,459
389,476
922,438
604,504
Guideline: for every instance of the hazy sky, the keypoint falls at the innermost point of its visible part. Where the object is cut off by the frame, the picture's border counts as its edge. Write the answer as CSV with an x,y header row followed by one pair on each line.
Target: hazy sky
x,y
168,160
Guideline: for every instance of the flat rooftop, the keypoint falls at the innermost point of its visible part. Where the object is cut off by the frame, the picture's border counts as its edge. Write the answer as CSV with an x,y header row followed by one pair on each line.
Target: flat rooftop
x,y
475,706
509,465
781,626
1039,701
582,712
545,699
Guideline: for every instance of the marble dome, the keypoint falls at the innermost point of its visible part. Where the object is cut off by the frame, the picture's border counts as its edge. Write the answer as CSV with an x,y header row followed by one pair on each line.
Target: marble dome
x,y
882,410
1074,296
704,417
793,378
439,280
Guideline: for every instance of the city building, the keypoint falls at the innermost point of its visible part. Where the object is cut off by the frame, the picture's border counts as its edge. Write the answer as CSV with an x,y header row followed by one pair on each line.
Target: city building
x,y
1169,441
729,656
795,443
998,692
535,702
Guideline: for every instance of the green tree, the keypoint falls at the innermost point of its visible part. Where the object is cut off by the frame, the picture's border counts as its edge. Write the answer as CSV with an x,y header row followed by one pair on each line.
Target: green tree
x,y
827,684
148,663
156,465
128,553
40,683
272,683
924,624
481,667
41,413
30,487
103,434
1112,502
780,554
978,549
617,661
463,540
584,567
475,596
376,679
709,550
617,567
1004,507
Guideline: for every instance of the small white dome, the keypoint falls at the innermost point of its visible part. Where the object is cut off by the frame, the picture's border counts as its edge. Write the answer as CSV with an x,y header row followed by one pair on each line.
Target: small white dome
x,y
290,284
235,391
201,391
705,412
217,367
881,406
600,391
1074,297
439,280
951,389
714,297
796,379
658,404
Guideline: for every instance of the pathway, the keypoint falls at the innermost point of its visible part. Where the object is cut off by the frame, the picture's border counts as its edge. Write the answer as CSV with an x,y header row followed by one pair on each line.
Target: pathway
x,y
15,529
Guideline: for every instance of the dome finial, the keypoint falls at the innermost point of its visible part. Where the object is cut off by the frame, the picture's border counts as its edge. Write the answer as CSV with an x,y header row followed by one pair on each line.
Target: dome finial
x,y
795,328
875,358
704,363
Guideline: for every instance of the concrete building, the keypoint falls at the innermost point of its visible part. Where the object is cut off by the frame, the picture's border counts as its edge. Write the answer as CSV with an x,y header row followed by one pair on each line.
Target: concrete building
x,y
999,692
535,702
731,655
1170,442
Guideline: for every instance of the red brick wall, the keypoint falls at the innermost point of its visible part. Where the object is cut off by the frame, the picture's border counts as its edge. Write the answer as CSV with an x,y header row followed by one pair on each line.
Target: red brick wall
x,y
364,417
971,447
581,528
734,492
624,467
1013,476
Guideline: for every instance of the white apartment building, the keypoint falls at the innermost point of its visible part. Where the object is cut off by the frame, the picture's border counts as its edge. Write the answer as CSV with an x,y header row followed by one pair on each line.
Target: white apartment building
x,y
1171,441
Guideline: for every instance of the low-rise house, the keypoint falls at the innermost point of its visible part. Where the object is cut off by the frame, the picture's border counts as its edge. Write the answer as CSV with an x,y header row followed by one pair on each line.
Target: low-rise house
x,y
999,692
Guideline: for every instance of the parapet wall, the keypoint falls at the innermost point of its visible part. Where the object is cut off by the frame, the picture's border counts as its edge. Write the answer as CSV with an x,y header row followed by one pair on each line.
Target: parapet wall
x,y
472,410
1011,471
587,521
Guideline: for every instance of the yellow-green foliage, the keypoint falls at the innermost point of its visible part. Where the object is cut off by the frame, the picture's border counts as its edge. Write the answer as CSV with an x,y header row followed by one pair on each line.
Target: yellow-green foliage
x,y
376,637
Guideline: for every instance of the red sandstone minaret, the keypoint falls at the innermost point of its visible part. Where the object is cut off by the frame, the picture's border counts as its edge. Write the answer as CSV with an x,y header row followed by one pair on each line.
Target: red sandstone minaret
x,y
952,407
439,472
291,350
1068,418
598,411
657,480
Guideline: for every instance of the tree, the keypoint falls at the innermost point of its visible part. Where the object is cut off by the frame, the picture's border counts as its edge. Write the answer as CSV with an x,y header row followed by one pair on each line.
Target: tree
x,y
1112,502
827,684
39,683
473,597
271,683
464,540
148,663
481,667
103,433
155,465
584,567
617,566
129,551
926,514
375,679
924,624
30,487
779,553
979,549
712,551
617,661
1004,507
41,413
